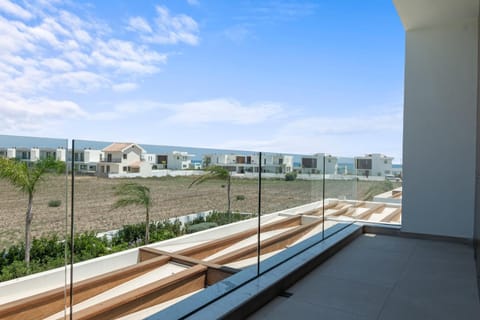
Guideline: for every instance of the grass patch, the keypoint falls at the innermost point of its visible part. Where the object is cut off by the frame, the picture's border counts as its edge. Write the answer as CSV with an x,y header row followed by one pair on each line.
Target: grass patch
x,y
54,203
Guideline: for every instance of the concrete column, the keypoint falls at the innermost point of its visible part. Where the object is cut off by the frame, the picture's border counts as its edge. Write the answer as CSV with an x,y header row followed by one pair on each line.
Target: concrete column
x,y
439,151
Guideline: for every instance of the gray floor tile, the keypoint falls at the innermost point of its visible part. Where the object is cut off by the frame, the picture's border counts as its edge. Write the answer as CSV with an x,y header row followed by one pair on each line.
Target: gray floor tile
x,y
409,307
282,308
386,278
351,296
367,265
385,243
442,250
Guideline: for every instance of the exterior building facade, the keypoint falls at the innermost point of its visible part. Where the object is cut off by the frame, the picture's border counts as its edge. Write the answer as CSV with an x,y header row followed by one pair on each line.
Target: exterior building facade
x,y
271,163
33,154
374,164
175,160
314,164
86,160
123,158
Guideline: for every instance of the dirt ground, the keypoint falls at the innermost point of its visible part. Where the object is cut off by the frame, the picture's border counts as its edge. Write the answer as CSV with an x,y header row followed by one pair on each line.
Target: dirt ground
x,y
93,199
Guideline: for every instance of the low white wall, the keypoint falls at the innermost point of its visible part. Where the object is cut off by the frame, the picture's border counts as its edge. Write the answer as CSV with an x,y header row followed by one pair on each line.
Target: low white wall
x,y
158,173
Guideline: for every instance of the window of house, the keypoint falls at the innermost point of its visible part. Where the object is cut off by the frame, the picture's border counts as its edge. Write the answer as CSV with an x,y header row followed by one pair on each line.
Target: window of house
x,y
125,156
124,168
363,164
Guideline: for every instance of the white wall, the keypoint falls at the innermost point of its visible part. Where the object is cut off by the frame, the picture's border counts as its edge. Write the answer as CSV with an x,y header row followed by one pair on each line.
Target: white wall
x,y
439,126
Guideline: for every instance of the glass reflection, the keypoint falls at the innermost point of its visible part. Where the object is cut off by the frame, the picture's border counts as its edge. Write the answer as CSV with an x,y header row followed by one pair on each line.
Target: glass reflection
x,y
33,227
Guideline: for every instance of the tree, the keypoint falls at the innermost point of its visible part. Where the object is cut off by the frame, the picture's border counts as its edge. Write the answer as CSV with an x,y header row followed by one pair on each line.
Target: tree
x,y
132,193
26,177
216,173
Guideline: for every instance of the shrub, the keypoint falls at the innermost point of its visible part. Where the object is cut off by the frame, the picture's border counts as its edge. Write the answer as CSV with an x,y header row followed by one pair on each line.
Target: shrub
x,y
200,226
240,197
221,218
54,203
291,176
134,234
377,188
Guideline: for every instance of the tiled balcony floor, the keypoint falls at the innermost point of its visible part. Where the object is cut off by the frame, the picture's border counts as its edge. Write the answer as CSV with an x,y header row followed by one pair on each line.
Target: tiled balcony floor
x,y
385,277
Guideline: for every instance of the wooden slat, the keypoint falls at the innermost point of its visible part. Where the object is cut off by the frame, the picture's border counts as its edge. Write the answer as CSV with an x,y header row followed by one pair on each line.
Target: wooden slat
x,y
375,208
343,210
274,243
396,195
215,272
318,211
389,217
176,285
188,261
50,302
207,249
215,275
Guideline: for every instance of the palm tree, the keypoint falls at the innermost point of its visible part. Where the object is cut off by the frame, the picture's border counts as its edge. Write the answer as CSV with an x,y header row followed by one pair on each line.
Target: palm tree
x,y
218,173
132,193
26,178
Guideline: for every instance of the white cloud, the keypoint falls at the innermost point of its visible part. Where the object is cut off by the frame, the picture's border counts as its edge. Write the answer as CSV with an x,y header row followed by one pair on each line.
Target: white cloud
x,y
346,125
49,51
193,2
78,81
340,136
15,10
127,57
124,87
139,24
56,64
35,114
222,111
167,29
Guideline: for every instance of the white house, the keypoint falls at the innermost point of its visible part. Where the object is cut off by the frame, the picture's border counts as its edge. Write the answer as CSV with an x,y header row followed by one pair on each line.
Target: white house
x,y
59,154
374,164
175,160
11,153
33,154
276,163
86,160
271,163
314,164
179,160
124,158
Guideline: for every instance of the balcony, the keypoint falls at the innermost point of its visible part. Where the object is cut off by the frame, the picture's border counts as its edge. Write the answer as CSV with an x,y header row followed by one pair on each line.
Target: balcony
x,y
180,260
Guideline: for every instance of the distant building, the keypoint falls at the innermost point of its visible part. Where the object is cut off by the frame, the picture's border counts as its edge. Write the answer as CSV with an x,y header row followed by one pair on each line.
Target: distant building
x,y
271,163
314,164
374,164
33,154
124,158
175,160
86,160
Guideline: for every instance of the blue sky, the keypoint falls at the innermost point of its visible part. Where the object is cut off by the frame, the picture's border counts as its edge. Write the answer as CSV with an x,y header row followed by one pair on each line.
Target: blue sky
x,y
265,75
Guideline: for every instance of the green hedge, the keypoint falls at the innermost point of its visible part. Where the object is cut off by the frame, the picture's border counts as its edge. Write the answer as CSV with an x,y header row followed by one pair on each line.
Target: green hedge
x,y
200,226
48,252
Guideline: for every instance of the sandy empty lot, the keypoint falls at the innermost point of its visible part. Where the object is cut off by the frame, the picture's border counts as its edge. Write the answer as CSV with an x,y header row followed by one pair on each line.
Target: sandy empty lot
x,y
171,197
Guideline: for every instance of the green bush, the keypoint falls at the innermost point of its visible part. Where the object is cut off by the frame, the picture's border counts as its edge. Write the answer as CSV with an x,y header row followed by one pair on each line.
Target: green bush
x,y
48,252
377,188
134,235
240,197
54,203
200,226
222,218
291,176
